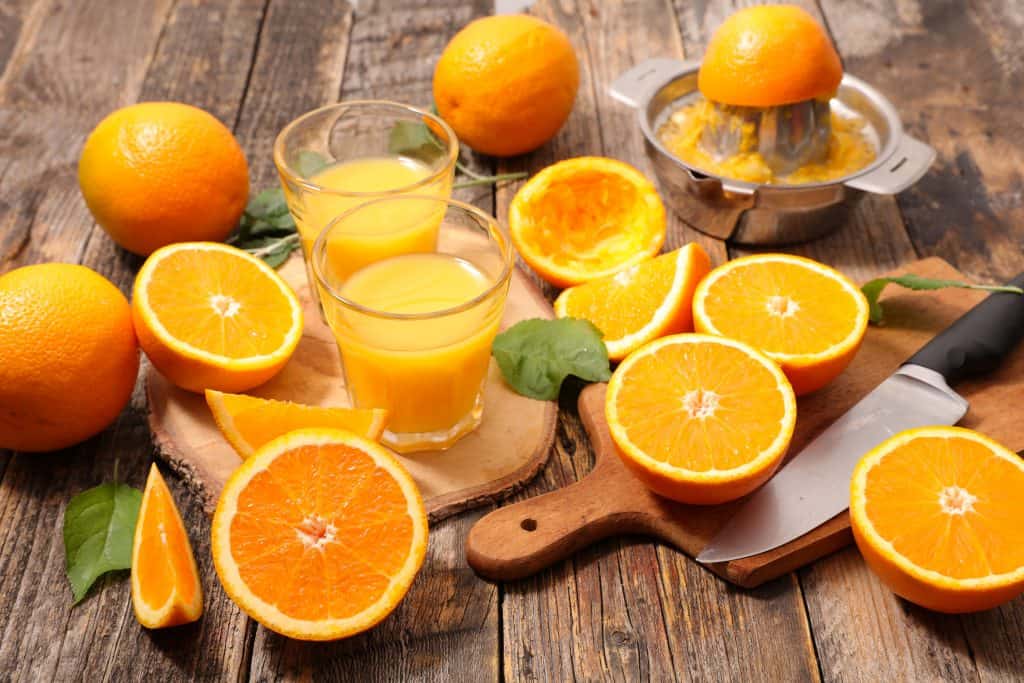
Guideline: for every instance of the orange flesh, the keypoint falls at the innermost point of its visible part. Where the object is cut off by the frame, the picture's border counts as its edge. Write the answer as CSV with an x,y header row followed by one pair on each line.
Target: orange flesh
x,y
629,300
321,522
219,303
661,408
905,492
781,308
260,420
588,219
164,556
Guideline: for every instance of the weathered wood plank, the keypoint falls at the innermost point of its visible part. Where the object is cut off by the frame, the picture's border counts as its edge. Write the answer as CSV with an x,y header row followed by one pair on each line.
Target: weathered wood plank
x,y
621,599
954,72
194,57
968,210
447,626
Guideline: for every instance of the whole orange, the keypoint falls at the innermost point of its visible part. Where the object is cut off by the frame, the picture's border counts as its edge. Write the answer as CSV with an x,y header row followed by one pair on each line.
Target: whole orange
x,y
69,356
156,173
767,56
506,84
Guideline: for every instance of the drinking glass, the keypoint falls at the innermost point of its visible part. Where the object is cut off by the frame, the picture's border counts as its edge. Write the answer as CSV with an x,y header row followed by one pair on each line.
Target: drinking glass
x,y
342,155
415,330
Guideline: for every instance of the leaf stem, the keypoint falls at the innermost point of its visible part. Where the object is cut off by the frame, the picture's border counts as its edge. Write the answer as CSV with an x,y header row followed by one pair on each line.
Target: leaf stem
x,y
273,246
489,180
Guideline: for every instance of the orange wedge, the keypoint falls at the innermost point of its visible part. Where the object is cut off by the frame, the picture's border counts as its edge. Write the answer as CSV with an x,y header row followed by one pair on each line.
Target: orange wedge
x,y
165,580
210,316
586,218
248,422
319,534
640,303
700,419
937,512
802,314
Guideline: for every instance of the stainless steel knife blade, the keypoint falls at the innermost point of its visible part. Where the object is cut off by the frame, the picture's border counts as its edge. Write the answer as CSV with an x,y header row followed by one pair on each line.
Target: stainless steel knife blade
x,y
814,486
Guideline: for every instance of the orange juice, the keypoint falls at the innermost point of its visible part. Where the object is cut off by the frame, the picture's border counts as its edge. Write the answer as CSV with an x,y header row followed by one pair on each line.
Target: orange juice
x,y
382,231
427,372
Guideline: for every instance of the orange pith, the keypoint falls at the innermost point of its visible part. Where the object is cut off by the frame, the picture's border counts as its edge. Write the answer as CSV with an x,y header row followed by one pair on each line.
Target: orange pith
x,y
165,580
248,422
586,218
211,316
936,513
700,419
802,314
767,56
319,534
641,303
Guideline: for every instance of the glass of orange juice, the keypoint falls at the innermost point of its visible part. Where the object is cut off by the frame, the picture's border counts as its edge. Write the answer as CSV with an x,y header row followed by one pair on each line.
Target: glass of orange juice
x,y
342,155
415,329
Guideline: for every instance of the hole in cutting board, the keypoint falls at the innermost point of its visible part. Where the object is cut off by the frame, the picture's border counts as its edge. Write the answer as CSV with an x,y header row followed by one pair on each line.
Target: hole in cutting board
x,y
528,524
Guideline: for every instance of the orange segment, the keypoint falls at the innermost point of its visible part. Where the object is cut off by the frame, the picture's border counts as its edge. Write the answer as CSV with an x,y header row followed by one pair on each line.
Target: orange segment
x,y
936,513
641,303
210,316
770,55
700,419
319,534
248,422
165,580
586,218
802,314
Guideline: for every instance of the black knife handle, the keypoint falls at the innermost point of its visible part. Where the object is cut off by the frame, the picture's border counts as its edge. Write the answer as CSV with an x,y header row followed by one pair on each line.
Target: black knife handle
x,y
979,339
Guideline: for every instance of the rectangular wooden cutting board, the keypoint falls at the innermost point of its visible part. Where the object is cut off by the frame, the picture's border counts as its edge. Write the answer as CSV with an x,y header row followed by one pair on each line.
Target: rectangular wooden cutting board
x,y
521,539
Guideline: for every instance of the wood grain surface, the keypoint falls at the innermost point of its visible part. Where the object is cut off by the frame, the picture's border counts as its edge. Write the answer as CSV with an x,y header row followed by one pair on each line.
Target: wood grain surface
x,y
521,539
624,609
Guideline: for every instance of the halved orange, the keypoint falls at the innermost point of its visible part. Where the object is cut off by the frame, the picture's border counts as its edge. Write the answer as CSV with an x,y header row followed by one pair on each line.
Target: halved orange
x,y
319,534
165,580
586,218
248,422
700,419
210,316
640,303
769,55
937,512
802,314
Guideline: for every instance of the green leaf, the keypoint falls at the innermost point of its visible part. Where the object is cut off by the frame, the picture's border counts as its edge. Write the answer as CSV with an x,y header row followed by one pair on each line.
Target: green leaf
x,y
99,528
872,290
310,163
413,139
536,355
275,250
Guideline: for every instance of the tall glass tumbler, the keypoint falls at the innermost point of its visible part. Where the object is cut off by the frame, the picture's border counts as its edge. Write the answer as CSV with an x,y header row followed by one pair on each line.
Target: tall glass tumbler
x,y
335,158
415,330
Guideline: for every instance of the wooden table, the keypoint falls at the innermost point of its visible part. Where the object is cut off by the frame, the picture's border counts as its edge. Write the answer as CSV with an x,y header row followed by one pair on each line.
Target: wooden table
x,y
627,609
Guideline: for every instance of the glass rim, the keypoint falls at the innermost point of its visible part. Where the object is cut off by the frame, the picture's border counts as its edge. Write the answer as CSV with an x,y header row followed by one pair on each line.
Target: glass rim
x,y
490,221
286,170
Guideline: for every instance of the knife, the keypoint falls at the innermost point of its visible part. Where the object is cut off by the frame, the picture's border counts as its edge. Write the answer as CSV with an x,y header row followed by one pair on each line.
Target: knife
x,y
814,486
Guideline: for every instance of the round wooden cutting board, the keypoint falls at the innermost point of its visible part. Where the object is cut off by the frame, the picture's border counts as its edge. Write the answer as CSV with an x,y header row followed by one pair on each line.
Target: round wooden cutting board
x,y
505,452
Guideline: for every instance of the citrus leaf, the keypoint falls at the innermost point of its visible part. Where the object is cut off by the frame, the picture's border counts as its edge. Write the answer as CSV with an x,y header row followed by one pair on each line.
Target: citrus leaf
x,y
309,163
536,355
99,528
873,289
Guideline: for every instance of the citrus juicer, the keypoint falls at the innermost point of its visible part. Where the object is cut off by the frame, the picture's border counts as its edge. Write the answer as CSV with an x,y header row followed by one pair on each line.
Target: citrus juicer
x,y
787,137
760,214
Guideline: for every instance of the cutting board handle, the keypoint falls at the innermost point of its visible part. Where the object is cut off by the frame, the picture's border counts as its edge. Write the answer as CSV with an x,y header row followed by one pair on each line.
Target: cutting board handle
x,y
521,539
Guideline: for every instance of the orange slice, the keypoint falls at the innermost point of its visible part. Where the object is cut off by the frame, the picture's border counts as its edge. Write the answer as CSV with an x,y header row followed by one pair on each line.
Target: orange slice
x,y
640,303
248,422
937,512
319,534
802,314
700,419
165,580
210,316
586,218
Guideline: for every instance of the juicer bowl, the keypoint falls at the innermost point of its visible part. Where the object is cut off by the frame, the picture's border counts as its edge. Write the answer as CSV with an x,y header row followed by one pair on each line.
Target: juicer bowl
x,y
760,214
